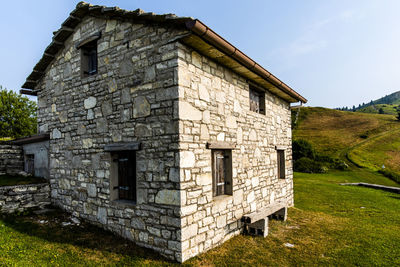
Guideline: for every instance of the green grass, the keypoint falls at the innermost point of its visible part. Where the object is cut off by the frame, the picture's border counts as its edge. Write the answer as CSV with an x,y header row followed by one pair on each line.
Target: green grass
x,y
7,180
330,225
374,109
385,151
368,140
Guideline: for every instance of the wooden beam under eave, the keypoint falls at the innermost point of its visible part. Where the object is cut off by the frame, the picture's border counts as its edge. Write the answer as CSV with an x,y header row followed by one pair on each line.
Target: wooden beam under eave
x,y
27,92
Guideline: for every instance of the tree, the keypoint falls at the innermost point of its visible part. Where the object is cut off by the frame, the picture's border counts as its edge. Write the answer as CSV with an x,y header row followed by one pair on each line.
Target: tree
x,y
381,111
17,115
398,115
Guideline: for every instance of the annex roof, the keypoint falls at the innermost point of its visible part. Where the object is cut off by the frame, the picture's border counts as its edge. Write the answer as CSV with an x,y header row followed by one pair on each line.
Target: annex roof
x,y
201,38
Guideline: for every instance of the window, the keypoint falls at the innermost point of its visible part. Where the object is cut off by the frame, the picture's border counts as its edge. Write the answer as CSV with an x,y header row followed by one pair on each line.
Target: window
x,y
257,100
89,58
123,180
222,171
281,164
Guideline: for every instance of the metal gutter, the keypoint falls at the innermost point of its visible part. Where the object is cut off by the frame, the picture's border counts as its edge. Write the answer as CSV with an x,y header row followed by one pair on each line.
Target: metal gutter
x,y
207,34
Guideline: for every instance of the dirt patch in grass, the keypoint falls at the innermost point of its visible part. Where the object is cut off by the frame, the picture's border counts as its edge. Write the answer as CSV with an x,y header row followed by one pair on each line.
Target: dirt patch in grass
x,y
8,180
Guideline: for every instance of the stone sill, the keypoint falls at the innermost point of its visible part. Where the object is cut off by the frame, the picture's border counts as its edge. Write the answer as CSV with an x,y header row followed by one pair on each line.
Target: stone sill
x,y
222,198
123,203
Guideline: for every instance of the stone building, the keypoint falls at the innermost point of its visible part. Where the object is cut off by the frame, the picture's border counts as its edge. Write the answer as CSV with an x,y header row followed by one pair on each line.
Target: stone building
x,y
160,130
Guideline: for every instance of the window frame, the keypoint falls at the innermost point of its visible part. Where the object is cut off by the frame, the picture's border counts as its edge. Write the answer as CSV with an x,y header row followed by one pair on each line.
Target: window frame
x,y
227,172
89,59
118,150
258,97
281,163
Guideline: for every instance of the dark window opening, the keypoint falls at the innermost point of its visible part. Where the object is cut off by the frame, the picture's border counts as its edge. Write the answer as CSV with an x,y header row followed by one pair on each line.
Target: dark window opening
x,y
126,170
222,171
257,100
281,164
30,163
89,58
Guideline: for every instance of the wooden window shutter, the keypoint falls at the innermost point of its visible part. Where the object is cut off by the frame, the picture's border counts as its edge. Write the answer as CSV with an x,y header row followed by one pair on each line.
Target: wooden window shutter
x,y
281,164
219,172
127,176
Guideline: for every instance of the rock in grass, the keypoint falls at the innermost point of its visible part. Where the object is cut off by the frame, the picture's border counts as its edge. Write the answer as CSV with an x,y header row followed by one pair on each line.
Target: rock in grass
x,y
288,245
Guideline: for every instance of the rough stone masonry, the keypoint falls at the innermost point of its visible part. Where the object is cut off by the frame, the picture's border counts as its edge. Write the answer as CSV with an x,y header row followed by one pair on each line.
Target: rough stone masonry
x,y
154,90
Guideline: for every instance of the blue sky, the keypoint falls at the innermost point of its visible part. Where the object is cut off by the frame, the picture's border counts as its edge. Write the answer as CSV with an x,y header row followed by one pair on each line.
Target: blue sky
x,y
334,53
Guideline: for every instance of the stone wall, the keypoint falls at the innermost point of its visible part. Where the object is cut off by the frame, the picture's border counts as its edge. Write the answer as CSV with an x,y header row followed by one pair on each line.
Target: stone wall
x,y
131,98
11,159
214,106
151,89
23,197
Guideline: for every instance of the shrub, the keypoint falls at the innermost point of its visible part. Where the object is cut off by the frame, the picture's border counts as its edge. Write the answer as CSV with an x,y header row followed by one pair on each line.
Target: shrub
x,y
301,149
339,165
390,174
309,166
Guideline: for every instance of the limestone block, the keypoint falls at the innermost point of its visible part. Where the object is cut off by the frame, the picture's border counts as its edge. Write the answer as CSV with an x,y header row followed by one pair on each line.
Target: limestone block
x,y
188,112
230,122
87,143
125,96
174,175
112,86
56,134
92,190
187,159
237,197
110,26
102,46
239,135
168,197
189,231
250,197
63,116
90,114
253,135
44,128
102,215
206,116
203,93
221,221
106,108
149,74
188,209
90,102
236,106
204,179
138,223
221,137
196,59
154,231
141,107
204,135
67,56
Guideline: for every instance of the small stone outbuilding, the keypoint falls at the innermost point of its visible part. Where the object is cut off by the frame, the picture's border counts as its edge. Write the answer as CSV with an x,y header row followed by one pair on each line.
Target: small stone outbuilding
x,y
160,130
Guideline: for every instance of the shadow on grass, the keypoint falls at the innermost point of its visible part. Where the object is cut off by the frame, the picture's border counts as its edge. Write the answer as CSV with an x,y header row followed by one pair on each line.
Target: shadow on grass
x,y
49,227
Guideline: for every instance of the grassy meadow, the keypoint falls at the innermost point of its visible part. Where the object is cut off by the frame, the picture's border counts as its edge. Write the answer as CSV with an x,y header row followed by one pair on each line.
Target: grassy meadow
x,y
368,140
330,225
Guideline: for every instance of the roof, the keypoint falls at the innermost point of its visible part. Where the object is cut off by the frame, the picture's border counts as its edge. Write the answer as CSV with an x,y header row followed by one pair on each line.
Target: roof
x,y
31,139
202,38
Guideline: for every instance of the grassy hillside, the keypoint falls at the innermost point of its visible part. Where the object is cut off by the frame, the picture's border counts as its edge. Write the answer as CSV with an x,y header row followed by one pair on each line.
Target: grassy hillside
x,y
374,109
388,103
369,140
